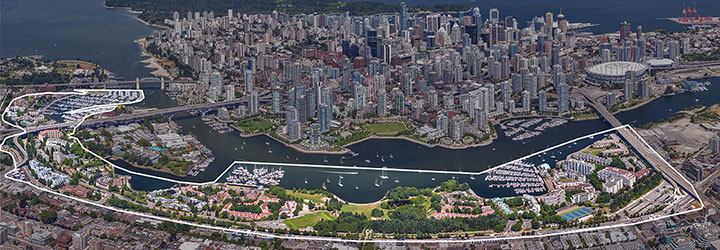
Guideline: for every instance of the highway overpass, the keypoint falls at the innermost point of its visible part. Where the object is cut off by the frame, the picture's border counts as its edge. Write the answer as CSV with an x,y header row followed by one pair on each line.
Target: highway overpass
x,y
644,150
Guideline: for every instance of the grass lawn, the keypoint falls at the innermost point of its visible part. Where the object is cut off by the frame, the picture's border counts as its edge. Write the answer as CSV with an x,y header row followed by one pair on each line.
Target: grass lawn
x,y
308,220
364,209
254,125
71,64
385,128
315,198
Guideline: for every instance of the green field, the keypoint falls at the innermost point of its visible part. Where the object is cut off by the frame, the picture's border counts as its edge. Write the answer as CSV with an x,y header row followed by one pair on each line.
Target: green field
x,y
363,209
308,220
315,198
386,128
254,125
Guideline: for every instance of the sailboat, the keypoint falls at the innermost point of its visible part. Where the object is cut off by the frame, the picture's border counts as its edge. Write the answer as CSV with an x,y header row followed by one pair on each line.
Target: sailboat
x,y
376,183
328,180
396,180
472,177
383,175
433,179
356,187
340,181
382,158
324,187
305,180
391,156
267,142
325,159
270,150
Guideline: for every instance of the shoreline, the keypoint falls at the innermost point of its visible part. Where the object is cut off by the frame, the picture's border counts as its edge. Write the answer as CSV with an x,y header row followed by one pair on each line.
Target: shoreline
x,y
152,62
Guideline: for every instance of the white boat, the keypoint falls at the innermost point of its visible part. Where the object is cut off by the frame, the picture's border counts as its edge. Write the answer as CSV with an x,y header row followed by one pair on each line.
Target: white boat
x,y
376,183
382,158
305,180
356,187
340,181
366,160
328,180
396,180
325,160
432,178
391,156
324,186
383,175
270,150
472,177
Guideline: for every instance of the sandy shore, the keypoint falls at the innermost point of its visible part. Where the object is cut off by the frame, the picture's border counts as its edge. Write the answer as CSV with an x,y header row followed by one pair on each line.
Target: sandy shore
x,y
152,62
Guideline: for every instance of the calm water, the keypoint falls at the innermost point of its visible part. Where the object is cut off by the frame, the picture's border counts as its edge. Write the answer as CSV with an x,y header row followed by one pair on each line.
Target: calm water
x,y
608,13
84,29
229,147
72,29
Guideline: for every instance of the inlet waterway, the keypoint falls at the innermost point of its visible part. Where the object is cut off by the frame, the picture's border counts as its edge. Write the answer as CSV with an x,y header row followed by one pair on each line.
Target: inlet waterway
x,y
84,29
230,147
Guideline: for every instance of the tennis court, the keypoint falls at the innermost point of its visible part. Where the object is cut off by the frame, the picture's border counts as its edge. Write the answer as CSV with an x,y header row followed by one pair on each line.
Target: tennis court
x,y
577,213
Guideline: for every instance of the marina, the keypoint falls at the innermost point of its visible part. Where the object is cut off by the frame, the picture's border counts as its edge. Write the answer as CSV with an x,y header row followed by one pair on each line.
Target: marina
x,y
259,177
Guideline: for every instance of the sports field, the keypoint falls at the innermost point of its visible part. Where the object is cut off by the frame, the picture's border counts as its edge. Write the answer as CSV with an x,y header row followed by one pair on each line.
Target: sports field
x,y
577,213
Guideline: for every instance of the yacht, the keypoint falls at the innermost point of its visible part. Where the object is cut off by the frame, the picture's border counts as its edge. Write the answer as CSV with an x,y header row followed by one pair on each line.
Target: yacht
x,y
383,175
433,179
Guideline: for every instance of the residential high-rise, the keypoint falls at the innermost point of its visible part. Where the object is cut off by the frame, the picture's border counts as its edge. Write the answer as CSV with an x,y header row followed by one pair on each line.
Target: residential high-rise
x,y
542,100
659,53
229,92
643,90
494,15
381,108
563,98
254,102
276,99
526,101
456,131
315,134
624,30
249,82
674,49
441,123
628,90
324,118
403,16
714,144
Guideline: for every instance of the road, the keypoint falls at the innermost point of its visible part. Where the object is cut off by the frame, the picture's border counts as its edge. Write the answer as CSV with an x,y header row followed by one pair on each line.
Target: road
x,y
673,177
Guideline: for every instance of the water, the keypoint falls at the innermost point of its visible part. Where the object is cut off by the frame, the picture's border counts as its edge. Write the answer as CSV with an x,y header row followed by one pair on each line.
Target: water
x,y
73,29
405,154
84,29
608,14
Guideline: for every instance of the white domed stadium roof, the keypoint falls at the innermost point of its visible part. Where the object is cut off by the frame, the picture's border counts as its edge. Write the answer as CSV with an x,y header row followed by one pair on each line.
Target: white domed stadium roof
x,y
615,69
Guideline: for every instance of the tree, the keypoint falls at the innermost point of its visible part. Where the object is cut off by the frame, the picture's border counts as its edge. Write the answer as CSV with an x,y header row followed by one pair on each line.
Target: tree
x,y
48,216
517,226
377,213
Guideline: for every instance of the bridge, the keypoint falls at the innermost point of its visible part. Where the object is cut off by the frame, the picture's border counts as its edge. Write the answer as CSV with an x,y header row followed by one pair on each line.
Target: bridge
x,y
137,82
672,176
264,97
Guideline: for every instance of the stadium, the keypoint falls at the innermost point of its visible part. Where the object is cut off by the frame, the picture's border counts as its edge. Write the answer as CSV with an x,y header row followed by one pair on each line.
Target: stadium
x,y
612,72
